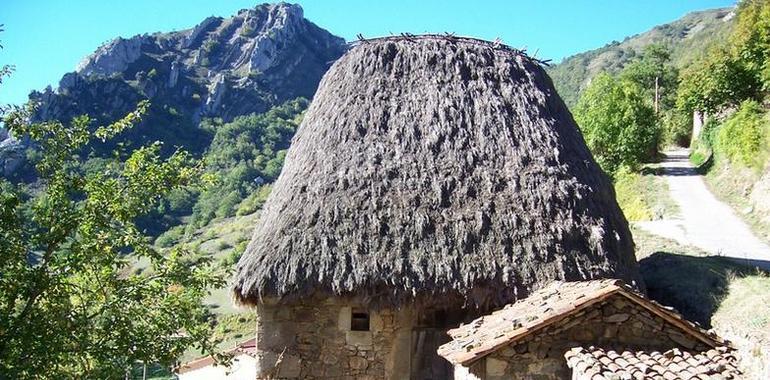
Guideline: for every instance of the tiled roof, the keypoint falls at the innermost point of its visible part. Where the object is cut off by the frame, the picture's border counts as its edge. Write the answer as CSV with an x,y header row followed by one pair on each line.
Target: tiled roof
x,y
545,307
598,364
248,347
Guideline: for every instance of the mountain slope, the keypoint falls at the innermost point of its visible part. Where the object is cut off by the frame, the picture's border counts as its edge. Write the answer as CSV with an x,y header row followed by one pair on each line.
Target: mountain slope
x,y
687,37
221,68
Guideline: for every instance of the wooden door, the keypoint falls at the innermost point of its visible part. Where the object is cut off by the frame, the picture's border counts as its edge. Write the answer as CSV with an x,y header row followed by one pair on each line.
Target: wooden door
x,y
426,364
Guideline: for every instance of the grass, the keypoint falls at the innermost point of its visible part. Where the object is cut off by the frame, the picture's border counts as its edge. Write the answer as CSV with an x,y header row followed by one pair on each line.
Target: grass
x,y
698,157
739,308
644,195
218,240
231,330
744,317
716,292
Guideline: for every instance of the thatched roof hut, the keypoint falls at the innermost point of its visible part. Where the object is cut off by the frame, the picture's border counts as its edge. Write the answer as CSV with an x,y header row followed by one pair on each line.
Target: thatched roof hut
x,y
435,165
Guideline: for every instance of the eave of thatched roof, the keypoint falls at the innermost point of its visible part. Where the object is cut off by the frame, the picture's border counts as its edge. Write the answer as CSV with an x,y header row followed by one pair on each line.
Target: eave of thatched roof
x,y
430,165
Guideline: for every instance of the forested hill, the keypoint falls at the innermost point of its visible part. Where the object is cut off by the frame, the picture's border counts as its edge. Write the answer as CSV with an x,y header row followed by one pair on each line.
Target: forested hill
x,y
686,39
228,90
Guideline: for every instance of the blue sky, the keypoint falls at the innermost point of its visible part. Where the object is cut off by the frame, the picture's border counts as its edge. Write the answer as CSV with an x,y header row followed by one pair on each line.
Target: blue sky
x,y
46,38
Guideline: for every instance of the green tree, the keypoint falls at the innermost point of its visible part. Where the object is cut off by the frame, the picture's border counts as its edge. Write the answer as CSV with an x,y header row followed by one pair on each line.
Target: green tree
x,y
715,82
655,75
617,123
245,154
70,304
751,38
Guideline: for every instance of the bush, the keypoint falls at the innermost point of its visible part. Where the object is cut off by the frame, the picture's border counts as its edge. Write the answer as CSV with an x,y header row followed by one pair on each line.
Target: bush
x,y
628,194
743,136
170,237
223,245
617,123
232,258
228,204
698,157
677,128
245,154
254,201
210,46
247,31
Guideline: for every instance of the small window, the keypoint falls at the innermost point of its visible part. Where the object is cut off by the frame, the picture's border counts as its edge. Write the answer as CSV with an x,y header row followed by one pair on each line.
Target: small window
x,y
359,320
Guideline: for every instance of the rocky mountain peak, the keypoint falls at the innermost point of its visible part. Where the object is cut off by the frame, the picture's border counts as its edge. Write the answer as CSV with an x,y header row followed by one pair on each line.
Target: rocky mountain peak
x,y
222,67
112,57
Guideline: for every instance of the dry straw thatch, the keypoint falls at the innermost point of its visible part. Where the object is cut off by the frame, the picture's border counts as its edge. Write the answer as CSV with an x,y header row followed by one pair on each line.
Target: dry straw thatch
x,y
435,166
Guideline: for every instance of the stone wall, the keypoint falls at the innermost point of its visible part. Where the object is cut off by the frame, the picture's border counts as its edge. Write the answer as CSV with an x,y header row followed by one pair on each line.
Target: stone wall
x,y
616,323
312,339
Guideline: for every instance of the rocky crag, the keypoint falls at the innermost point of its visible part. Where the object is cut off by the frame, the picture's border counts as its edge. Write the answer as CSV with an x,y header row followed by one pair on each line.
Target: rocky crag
x,y
221,68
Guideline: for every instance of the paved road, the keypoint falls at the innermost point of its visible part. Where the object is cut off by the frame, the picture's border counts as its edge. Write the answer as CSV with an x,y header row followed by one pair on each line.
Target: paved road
x,y
703,220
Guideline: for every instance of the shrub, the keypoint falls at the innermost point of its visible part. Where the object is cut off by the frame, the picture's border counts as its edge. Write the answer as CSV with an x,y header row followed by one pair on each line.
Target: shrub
x,y
170,237
223,245
228,204
742,137
617,123
628,194
677,128
247,31
254,201
210,46
232,258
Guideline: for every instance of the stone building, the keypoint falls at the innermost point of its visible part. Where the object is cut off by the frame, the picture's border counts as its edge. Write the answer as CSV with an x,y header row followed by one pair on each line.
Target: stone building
x,y
433,179
242,366
586,330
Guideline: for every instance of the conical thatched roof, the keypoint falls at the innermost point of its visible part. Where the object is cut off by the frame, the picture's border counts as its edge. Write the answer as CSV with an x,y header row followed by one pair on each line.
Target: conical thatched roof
x,y
435,165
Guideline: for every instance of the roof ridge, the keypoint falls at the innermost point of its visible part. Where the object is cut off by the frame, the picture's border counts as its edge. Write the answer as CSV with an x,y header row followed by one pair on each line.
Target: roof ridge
x,y
585,294
496,44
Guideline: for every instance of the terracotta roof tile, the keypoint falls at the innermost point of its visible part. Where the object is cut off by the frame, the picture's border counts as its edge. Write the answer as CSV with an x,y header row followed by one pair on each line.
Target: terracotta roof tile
x,y
673,364
545,307
248,347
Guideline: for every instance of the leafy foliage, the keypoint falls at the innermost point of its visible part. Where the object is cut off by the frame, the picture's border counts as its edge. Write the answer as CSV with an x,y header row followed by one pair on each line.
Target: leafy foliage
x,y
617,123
734,72
254,201
70,306
751,38
655,73
686,40
742,137
245,154
653,69
629,197
717,81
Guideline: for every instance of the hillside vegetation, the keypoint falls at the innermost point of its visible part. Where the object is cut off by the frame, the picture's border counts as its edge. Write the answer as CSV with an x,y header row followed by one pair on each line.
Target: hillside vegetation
x,y
731,86
729,83
686,38
161,229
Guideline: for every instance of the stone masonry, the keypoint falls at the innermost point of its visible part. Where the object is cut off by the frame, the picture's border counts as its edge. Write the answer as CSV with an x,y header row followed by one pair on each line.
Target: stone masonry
x,y
614,323
312,339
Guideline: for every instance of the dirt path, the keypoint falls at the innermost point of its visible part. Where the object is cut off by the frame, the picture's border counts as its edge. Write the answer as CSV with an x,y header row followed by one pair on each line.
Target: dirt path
x,y
703,220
